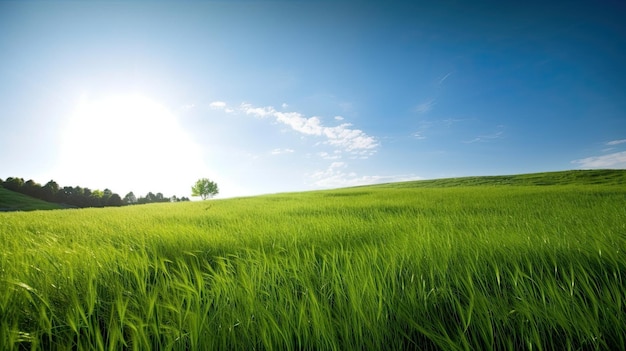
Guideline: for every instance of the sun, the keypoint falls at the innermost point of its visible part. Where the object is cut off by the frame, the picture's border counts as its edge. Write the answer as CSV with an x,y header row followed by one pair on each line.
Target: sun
x,y
127,140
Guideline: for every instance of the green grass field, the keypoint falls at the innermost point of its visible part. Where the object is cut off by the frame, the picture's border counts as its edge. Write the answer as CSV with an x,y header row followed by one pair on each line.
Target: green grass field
x,y
467,265
12,201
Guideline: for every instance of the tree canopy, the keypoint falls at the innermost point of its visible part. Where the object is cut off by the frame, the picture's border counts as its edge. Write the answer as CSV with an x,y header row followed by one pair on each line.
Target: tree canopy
x,y
78,196
204,188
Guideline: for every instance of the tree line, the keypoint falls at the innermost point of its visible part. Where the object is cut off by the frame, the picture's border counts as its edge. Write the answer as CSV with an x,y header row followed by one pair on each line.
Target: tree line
x,y
80,196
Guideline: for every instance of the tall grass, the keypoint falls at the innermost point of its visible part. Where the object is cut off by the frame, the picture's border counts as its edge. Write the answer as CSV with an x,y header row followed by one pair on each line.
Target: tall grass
x,y
368,268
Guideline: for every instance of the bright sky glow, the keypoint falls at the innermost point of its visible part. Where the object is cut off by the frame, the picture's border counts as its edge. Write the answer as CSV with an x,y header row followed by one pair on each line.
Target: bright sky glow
x,y
274,96
127,139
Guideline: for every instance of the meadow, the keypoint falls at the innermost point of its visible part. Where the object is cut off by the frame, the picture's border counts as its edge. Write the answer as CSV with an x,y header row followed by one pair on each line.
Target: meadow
x,y
12,201
489,264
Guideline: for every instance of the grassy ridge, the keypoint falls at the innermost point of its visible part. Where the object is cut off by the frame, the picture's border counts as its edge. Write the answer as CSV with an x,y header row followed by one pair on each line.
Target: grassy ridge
x,y
369,268
12,201
579,177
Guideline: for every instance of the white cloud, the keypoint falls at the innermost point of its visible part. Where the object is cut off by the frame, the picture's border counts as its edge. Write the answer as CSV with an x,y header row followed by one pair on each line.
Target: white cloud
x,y
425,106
342,136
335,176
259,112
616,142
327,156
309,126
614,160
282,151
218,105
418,136
338,118
284,105
352,140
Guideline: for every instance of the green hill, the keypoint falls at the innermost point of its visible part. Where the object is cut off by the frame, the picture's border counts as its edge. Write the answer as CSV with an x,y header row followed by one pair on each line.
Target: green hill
x,y
431,265
12,201
575,177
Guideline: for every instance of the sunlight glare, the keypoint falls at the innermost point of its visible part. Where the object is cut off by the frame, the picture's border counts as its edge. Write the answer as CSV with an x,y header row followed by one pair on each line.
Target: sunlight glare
x,y
128,142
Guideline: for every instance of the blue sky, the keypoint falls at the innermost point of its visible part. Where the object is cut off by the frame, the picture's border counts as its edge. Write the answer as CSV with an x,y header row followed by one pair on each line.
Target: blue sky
x,y
266,97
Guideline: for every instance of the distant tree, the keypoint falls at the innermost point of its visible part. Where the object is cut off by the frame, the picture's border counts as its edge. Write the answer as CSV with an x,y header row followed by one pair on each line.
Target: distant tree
x,y
78,196
65,195
159,197
107,193
50,191
96,198
86,200
114,200
31,188
130,198
204,188
151,197
14,184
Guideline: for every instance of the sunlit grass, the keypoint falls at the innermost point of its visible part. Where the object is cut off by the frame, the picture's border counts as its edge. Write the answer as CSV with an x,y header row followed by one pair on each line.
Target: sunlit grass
x,y
387,267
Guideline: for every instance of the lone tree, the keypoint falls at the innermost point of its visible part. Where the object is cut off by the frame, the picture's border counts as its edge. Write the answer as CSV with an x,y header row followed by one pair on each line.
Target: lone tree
x,y
204,188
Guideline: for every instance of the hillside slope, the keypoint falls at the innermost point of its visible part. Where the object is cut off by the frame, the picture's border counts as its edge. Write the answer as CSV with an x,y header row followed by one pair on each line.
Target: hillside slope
x,y
574,177
12,201
448,268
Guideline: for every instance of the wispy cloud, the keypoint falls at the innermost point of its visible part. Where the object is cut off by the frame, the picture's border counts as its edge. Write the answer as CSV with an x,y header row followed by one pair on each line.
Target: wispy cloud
x,y
614,160
328,156
342,136
425,106
498,134
218,105
337,176
282,151
450,121
444,78
616,142
428,105
419,136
